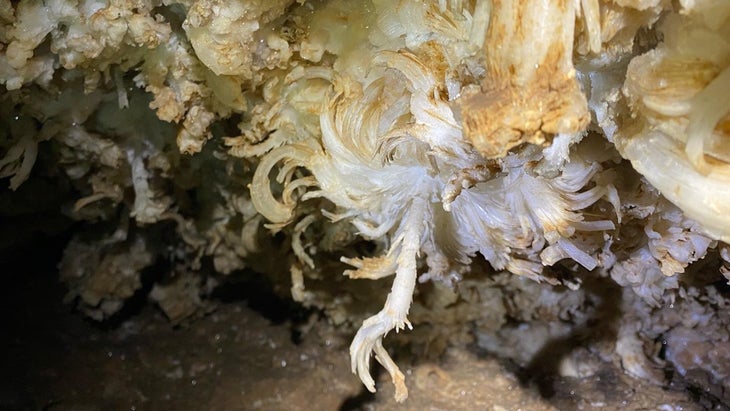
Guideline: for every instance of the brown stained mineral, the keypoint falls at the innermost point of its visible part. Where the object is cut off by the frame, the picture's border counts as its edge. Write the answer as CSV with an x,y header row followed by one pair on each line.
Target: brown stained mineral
x,y
529,93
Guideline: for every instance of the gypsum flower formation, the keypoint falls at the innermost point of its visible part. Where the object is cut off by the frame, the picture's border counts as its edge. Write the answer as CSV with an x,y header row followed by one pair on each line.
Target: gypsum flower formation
x,y
678,95
434,188
309,88
392,158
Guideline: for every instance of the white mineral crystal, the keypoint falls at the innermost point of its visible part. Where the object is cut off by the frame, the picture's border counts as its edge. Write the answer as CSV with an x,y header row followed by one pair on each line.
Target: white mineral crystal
x,y
442,133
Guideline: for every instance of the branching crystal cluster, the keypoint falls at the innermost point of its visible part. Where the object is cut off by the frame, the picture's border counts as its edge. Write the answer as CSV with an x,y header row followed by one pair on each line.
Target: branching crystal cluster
x,y
442,133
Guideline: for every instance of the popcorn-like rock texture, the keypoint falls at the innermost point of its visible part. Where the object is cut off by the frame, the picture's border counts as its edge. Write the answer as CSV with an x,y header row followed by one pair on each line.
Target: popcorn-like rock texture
x,y
522,172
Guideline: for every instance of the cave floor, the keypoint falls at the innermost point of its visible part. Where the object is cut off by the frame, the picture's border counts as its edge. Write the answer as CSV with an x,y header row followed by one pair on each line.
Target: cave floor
x,y
237,358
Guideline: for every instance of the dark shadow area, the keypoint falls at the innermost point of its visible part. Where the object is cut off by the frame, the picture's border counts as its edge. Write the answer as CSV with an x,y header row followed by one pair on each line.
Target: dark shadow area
x,y
543,368
722,286
703,390
259,295
133,305
31,303
364,397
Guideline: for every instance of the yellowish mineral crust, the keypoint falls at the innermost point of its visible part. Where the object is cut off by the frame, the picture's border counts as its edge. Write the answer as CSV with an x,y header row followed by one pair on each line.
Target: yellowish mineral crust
x,y
529,94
